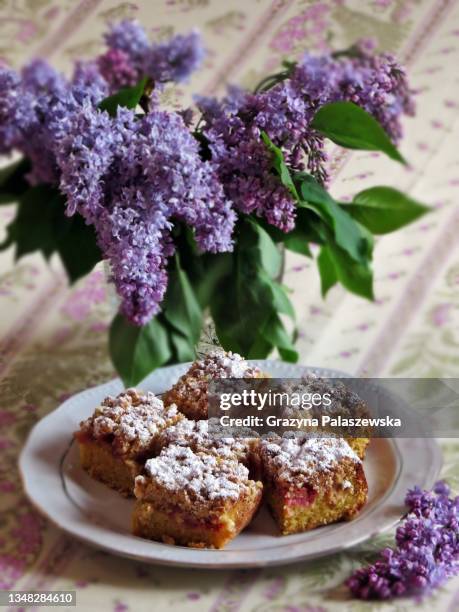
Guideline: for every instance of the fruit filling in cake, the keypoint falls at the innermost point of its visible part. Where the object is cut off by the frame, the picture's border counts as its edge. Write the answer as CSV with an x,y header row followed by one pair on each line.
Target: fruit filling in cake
x,y
115,441
190,391
311,481
193,499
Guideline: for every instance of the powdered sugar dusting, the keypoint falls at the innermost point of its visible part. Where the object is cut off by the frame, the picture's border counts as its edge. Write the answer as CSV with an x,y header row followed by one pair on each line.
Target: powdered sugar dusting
x,y
306,456
133,418
203,476
188,429
196,435
190,391
218,364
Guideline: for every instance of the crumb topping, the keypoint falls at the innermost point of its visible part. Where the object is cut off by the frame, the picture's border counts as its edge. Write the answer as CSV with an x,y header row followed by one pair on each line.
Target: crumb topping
x,y
303,458
218,364
190,391
130,420
196,435
187,429
344,401
201,476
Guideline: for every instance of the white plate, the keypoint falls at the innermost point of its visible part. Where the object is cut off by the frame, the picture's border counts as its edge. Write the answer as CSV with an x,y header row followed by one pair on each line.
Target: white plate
x,y
90,511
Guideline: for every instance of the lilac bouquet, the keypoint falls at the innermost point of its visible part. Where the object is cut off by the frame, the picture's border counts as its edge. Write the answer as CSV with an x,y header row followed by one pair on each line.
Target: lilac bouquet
x,y
190,207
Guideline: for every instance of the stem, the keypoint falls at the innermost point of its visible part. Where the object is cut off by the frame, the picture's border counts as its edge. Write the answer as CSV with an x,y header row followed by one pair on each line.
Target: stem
x,y
271,80
145,100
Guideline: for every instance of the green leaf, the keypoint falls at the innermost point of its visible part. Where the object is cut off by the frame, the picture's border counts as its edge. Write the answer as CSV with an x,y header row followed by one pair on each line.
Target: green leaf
x,y
137,351
76,244
349,235
327,272
32,228
180,307
274,332
244,300
356,277
279,165
183,350
352,127
248,298
281,301
304,232
215,267
129,97
41,225
13,183
384,209
296,243
289,355
270,258
260,349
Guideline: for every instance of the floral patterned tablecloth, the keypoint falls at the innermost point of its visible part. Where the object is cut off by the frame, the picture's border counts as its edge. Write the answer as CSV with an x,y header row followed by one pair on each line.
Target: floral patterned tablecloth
x,y
53,339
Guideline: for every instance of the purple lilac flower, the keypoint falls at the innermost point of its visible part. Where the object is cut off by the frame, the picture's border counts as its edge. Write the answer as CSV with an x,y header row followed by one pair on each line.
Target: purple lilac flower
x,y
39,76
35,110
54,110
132,179
175,59
131,56
427,551
233,126
117,69
84,156
242,162
377,83
130,37
88,83
13,118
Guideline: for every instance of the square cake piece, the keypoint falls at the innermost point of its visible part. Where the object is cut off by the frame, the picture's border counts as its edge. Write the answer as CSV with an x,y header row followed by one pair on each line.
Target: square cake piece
x,y
311,481
193,499
201,437
343,403
117,439
190,391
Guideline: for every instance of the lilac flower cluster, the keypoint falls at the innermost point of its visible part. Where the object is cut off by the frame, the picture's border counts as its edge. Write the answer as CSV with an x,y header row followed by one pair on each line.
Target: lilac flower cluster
x,y
242,161
375,82
132,178
233,125
427,551
35,110
37,105
131,56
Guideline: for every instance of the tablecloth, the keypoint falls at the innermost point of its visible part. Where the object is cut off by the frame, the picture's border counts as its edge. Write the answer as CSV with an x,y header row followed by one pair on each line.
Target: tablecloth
x,y
53,338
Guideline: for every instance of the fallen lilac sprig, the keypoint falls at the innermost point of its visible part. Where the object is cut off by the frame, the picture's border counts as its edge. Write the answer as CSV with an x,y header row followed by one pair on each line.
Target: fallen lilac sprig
x,y
426,552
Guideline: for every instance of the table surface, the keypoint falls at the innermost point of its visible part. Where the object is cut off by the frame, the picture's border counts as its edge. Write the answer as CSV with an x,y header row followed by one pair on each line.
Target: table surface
x,y
53,339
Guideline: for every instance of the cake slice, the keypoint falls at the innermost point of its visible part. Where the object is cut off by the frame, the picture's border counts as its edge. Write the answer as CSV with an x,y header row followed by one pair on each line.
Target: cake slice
x,y
342,402
193,499
116,440
190,392
311,481
204,436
